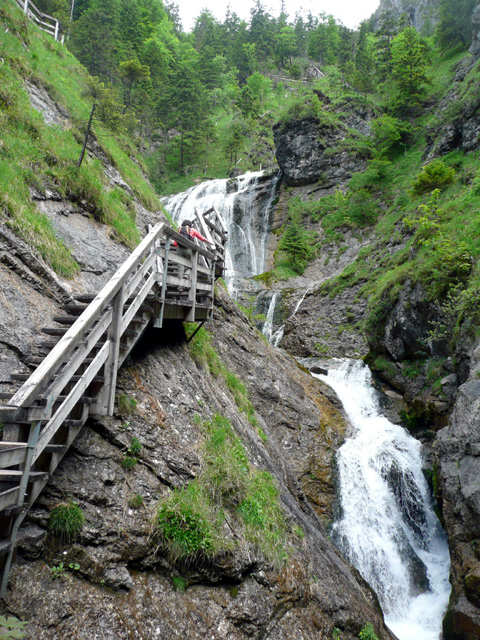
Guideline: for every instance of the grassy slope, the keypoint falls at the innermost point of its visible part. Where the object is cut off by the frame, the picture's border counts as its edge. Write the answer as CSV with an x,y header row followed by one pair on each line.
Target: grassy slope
x,y
35,154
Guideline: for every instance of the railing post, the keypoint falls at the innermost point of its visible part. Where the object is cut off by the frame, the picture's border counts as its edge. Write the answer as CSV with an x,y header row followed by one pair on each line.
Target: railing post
x,y
25,7
57,26
106,398
192,296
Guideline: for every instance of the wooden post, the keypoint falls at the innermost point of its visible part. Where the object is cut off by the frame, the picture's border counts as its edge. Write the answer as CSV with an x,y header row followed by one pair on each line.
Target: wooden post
x,y
57,26
89,126
25,7
158,323
106,399
192,296
32,443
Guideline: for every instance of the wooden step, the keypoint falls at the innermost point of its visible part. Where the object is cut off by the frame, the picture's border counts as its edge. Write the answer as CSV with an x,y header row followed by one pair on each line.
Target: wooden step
x,y
85,297
68,320
22,377
6,395
13,474
54,331
42,401
75,308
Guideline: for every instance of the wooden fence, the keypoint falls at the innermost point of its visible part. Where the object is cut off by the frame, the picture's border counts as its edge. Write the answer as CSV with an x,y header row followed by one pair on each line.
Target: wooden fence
x,y
42,20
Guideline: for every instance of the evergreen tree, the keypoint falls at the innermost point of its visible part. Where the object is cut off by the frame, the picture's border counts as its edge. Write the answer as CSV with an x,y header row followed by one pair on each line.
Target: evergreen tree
x,y
455,24
296,242
409,66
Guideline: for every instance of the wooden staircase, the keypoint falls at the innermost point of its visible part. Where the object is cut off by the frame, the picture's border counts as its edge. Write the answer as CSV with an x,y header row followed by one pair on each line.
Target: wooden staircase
x,y
167,276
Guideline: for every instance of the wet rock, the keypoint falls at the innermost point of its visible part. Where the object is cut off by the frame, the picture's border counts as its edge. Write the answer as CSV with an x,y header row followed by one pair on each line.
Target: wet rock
x,y
456,454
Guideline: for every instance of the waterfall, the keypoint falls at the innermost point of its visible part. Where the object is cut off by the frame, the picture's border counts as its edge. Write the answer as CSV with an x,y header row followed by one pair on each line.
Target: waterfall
x,y
278,334
387,527
245,214
267,329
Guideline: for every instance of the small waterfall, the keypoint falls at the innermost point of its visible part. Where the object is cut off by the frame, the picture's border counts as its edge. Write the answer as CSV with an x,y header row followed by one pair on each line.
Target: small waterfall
x,y
245,214
267,329
278,334
387,527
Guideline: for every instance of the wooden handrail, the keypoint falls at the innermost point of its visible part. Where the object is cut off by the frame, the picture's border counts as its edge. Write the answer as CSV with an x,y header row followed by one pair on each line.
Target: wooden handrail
x,y
34,385
47,23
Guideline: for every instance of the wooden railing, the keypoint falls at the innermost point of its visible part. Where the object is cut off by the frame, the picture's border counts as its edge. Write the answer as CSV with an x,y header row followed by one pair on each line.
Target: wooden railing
x,y
167,276
44,21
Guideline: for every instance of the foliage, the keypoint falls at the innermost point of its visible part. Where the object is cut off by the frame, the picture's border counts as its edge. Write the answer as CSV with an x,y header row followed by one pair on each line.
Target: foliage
x,y
296,243
12,628
368,632
136,501
189,521
434,175
129,462
409,66
59,570
186,522
126,404
390,135
179,583
203,352
66,521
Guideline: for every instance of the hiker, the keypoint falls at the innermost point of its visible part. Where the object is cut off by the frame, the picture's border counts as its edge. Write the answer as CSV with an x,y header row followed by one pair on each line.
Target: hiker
x,y
187,230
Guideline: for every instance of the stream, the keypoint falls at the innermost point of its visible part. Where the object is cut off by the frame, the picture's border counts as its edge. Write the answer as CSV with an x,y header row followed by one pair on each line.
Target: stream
x,y
387,526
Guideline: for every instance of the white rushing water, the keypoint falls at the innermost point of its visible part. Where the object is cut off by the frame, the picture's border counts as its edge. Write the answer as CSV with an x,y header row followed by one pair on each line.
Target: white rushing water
x,y
267,329
387,527
247,224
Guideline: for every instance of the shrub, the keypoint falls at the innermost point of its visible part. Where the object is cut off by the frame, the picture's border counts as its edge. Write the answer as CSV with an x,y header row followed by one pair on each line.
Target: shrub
x,y
135,501
126,404
66,521
434,175
11,628
368,632
135,446
129,462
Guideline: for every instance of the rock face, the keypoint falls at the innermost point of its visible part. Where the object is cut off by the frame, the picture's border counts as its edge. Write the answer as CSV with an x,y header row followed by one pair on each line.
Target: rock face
x,y
457,454
236,596
475,46
304,149
421,14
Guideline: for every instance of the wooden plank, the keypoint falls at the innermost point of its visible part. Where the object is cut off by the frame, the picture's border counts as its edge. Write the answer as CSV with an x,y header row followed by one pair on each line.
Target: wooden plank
x,y
176,282
71,400
8,498
12,454
77,359
131,343
30,390
136,280
192,296
14,474
137,303
204,227
111,365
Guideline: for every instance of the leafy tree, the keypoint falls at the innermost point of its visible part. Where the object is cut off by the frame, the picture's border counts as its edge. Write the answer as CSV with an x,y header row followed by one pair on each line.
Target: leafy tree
x,y
390,135
285,44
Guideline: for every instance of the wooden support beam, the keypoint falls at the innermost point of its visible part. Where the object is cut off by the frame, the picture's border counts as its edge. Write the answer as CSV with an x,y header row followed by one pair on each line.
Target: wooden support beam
x,y
192,296
106,399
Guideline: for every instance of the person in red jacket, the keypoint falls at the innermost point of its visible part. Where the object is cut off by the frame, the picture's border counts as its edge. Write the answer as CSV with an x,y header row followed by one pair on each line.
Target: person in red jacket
x,y
187,230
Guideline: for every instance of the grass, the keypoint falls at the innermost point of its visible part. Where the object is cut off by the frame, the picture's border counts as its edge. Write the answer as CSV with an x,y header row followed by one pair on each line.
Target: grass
x,y
35,154
66,521
189,522
203,352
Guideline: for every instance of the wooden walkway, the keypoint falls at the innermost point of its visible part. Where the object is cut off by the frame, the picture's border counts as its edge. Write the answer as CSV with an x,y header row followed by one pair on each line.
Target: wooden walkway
x,y
168,276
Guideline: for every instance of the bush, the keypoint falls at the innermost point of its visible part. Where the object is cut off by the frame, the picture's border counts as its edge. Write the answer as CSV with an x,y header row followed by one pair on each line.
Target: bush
x,y
368,632
434,175
66,521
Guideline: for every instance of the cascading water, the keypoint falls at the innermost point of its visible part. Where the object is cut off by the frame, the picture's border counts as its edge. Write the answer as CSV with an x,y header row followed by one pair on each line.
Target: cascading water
x,y
236,202
387,527
267,329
